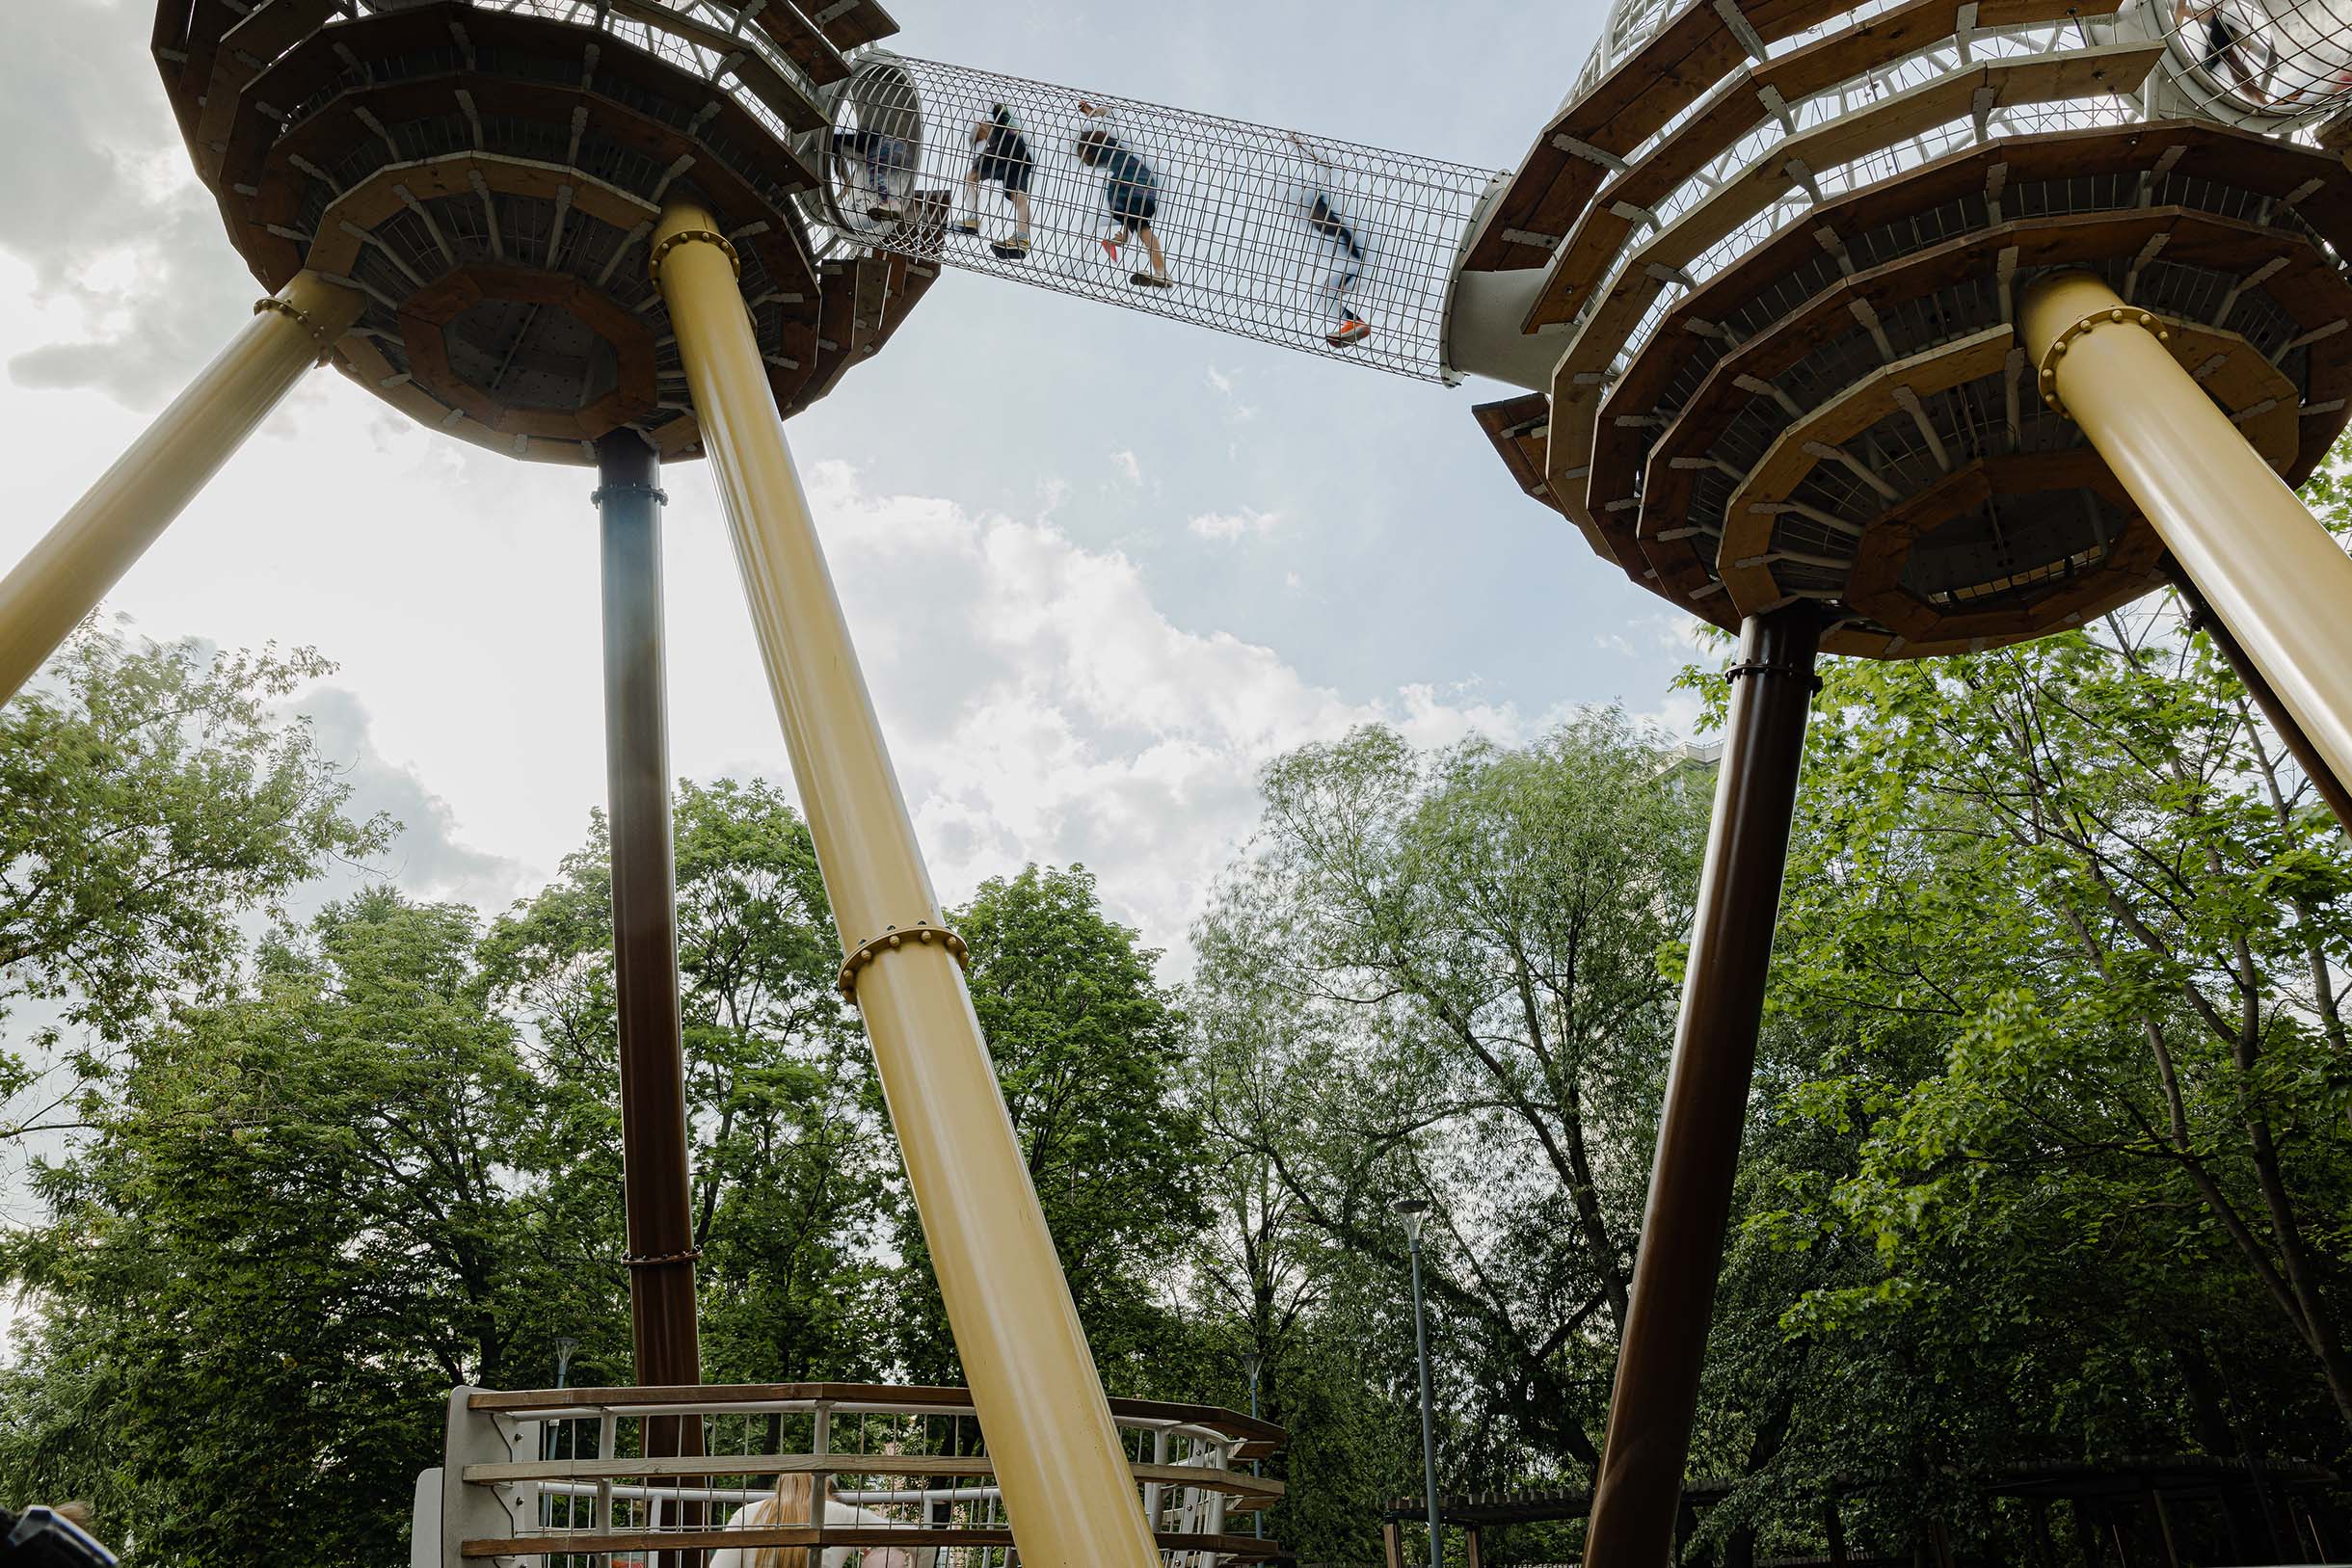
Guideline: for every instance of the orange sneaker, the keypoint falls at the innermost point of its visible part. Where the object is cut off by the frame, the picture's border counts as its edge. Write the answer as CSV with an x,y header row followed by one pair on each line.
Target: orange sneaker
x,y
1349,332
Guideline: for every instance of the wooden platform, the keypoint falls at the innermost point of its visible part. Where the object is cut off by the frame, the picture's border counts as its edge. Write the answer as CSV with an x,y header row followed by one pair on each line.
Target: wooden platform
x,y
1842,412
489,178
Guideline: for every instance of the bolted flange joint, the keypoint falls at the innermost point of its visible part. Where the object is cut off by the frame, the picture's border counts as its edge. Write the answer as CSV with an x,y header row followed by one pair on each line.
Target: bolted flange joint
x,y
603,492
893,938
685,236
2121,315
661,1260
273,306
1761,667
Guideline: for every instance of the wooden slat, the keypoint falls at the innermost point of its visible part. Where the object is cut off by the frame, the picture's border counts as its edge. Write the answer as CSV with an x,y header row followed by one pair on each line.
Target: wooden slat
x,y
1786,464
1688,57
274,26
761,79
803,43
1737,108
246,50
1518,427
850,23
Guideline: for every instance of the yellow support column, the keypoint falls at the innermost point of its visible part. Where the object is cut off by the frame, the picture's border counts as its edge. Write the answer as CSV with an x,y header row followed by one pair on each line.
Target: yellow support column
x,y
1067,1488
76,562
2271,573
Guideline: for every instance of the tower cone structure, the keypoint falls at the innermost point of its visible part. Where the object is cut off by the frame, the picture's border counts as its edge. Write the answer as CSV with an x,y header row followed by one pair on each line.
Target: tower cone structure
x,y
1807,275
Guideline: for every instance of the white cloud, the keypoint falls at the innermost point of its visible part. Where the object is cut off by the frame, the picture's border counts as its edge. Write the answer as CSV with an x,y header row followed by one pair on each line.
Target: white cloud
x,y
1232,526
429,859
1222,385
1049,709
1129,468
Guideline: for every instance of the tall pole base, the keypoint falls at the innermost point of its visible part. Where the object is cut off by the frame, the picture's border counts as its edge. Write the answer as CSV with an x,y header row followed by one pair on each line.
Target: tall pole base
x,y
653,1139
1068,1493
2272,575
1656,1397
112,525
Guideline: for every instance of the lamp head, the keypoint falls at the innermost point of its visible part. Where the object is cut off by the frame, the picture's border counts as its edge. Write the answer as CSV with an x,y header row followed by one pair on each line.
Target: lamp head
x,y
1414,1211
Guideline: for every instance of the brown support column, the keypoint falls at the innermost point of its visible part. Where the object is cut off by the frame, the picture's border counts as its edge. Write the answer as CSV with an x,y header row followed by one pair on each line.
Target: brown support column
x,y
2164,1528
645,939
1835,1526
1392,1546
2298,744
2045,1549
1657,1396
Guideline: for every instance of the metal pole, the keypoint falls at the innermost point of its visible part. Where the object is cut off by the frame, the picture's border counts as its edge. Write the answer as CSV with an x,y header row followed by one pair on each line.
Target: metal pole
x,y
1657,1396
2298,744
65,575
2272,575
654,1149
654,1138
1068,1493
1257,1514
1429,1430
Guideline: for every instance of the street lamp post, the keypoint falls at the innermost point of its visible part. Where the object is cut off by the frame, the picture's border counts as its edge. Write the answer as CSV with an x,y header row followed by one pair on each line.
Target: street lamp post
x,y
565,1345
1413,1212
1251,1364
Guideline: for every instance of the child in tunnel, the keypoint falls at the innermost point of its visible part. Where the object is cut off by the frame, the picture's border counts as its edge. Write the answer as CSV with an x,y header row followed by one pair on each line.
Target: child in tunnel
x,y
1130,192
1337,247
1001,153
875,167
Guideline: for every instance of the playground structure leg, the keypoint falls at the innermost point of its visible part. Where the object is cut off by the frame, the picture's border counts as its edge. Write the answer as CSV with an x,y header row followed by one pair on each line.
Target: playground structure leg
x,y
2314,767
1067,1489
2270,573
1657,1396
653,1142
65,575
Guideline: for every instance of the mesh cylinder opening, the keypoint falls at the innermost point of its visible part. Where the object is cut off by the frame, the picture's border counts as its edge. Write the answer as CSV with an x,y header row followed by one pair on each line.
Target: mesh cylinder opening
x,y
1302,240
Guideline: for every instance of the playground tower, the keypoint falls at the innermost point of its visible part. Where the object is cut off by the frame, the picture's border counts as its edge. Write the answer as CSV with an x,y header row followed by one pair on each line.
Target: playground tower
x,y
579,233
1897,329
1890,328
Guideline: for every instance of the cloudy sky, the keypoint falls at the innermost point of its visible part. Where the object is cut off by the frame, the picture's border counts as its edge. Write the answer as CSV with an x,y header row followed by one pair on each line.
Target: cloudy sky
x,y
1100,566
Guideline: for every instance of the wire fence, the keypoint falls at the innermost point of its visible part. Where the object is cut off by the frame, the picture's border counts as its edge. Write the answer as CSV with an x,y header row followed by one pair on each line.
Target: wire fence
x,y
1306,242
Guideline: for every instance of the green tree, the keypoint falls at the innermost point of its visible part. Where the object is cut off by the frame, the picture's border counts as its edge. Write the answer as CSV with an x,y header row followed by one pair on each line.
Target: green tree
x,y
1088,1049
2054,1157
1463,953
150,796
286,1238
789,1163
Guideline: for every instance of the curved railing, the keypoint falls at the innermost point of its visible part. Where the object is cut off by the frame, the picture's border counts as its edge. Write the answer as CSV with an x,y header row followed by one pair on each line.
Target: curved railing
x,y
562,1476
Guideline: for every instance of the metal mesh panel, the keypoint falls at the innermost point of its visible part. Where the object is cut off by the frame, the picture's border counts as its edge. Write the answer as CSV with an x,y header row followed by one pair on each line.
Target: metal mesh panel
x,y
1301,241
2280,63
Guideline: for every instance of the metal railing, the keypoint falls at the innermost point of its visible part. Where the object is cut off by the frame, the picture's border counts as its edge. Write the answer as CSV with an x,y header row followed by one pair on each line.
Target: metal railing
x,y
564,1476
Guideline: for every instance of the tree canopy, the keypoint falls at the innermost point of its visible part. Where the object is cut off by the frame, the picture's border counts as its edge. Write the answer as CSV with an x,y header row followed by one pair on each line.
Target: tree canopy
x,y
2048,1157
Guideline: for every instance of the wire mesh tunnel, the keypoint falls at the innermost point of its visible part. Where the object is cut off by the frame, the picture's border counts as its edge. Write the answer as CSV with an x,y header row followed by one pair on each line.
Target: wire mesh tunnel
x,y
1291,239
